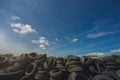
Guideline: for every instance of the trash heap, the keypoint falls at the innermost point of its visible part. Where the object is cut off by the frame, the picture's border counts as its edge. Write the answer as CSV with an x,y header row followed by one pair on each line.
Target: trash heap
x,y
35,66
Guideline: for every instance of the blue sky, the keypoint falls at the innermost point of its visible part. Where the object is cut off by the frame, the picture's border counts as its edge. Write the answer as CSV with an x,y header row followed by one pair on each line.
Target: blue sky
x,y
60,27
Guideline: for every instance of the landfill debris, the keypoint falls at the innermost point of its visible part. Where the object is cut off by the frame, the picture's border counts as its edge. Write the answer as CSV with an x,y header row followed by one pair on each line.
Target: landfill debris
x,y
34,66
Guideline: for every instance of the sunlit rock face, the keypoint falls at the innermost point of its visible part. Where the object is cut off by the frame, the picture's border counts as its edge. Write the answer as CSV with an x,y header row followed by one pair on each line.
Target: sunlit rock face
x,y
34,66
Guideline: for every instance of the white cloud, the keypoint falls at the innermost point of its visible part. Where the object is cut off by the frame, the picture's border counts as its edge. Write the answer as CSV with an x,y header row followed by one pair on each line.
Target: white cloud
x,y
100,34
22,28
91,30
14,18
42,41
67,38
42,46
34,41
115,51
96,53
57,39
74,40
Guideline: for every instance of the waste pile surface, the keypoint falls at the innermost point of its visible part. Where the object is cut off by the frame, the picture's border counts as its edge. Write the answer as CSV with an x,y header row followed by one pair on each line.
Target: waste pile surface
x,y
35,66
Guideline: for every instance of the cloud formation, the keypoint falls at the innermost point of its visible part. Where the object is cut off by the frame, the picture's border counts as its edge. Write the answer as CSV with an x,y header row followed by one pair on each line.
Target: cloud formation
x,y
111,52
42,42
56,39
74,40
14,18
115,51
20,27
99,34
42,46
96,53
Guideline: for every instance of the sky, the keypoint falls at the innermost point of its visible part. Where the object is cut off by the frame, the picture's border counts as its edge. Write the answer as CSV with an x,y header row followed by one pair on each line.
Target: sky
x,y
60,27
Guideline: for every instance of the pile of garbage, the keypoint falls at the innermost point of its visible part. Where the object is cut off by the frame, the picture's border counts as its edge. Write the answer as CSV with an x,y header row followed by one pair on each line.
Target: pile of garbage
x,y
35,66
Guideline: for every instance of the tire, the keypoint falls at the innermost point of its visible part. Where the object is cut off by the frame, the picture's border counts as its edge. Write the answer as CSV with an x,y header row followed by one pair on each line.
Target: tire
x,y
2,71
47,76
109,60
56,73
72,66
33,55
46,67
39,77
88,62
51,78
84,77
43,56
3,60
95,69
40,68
61,67
12,75
102,77
11,69
23,60
18,66
25,78
76,69
118,73
77,76
60,58
111,75
50,61
72,76
111,64
31,69
42,72
49,64
102,67
74,58
112,67
114,77
39,62
59,62
73,62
